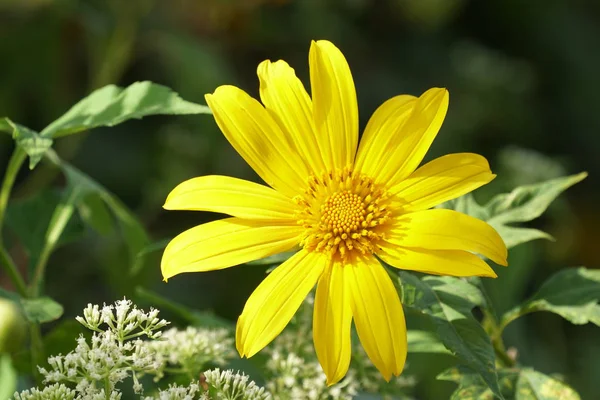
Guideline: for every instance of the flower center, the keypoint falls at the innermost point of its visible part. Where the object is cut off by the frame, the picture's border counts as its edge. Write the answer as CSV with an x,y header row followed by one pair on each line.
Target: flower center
x,y
342,213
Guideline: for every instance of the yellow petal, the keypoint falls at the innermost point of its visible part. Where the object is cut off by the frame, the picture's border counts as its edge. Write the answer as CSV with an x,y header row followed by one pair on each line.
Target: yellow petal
x,y
225,243
275,301
383,132
443,179
335,108
378,316
441,229
412,139
435,262
284,96
332,319
258,139
236,197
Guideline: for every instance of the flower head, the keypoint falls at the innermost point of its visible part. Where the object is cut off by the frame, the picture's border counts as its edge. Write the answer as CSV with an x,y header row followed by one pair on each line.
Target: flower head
x,y
344,204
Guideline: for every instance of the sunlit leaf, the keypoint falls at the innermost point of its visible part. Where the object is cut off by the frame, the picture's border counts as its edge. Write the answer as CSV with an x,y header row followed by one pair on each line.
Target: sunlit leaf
x,y
425,342
112,105
523,204
448,303
533,385
41,309
572,293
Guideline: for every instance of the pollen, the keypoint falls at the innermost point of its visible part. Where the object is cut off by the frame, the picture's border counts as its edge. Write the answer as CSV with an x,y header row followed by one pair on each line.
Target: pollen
x,y
343,213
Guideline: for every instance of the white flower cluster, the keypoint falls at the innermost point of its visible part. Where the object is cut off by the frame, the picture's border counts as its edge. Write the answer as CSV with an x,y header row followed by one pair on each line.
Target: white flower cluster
x,y
116,352
124,319
175,392
193,348
52,392
296,378
110,356
228,385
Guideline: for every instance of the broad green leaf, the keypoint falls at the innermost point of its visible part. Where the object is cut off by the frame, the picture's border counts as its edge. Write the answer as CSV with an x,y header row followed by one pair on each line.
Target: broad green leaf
x,y
94,212
41,309
425,342
526,203
112,105
448,303
27,140
31,218
8,377
523,204
572,293
533,385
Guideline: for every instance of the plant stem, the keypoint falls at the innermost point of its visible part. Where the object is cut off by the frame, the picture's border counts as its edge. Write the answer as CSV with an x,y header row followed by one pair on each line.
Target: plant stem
x,y
61,216
14,165
37,350
11,270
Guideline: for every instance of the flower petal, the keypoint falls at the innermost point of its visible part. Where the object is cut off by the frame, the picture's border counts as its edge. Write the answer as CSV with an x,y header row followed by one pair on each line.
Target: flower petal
x,y
411,138
435,262
275,301
383,132
284,96
332,319
236,197
378,316
335,108
443,179
258,139
441,229
225,243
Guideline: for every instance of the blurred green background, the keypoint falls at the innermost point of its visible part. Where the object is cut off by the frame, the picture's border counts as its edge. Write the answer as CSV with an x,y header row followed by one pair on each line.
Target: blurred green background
x,y
523,80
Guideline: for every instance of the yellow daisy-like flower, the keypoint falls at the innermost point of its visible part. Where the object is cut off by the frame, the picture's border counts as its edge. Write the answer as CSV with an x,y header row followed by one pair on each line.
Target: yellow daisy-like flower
x,y
343,203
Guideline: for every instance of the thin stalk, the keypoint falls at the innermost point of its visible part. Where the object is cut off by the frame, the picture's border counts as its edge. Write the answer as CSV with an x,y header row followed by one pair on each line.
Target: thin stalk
x,y
14,165
17,159
11,270
61,216
37,351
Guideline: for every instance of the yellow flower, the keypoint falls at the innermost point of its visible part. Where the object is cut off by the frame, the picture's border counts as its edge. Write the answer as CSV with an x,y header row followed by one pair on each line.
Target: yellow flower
x,y
341,205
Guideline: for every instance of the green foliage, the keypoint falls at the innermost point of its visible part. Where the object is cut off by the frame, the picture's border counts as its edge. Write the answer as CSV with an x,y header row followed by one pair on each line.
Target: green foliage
x,y
517,384
28,140
41,309
448,303
112,105
572,293
523,204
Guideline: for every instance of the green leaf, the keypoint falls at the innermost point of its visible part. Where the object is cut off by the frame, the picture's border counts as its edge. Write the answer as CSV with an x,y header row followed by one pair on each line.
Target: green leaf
x,y
533,385
448,303
8,377
41,309
425,342
526,203
28,140
572,293
112,105
523,204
